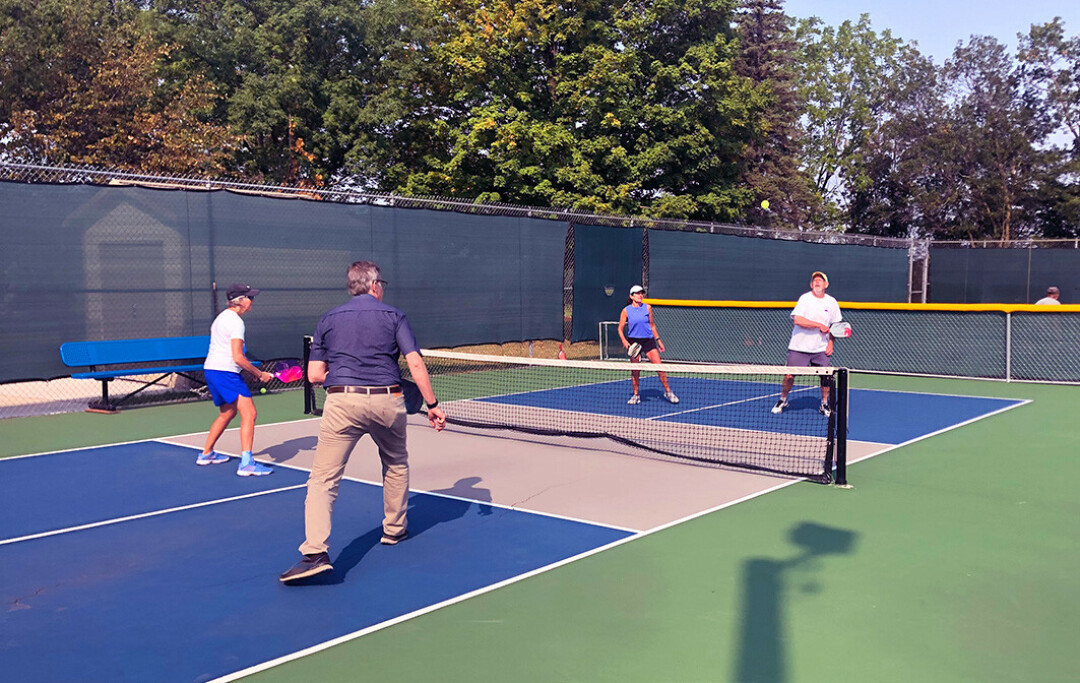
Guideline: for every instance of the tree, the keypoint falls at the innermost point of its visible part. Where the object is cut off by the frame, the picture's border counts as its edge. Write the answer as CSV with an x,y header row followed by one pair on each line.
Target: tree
x,y
1000,129
279,64
903,189
89,89
1050,64
771,171
850,76
632,107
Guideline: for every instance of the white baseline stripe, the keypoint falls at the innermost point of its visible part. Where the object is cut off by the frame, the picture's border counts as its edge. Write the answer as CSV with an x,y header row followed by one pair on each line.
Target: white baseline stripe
x,y
151,438
501,506
143,515
461,598
941,431
480,591
729,403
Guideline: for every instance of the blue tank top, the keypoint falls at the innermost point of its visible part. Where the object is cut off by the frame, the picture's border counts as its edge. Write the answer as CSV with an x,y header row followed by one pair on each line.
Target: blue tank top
x,y
637,321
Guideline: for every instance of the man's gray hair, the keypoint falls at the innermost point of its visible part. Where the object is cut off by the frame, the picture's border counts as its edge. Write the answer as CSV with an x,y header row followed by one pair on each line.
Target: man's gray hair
x,y
362,274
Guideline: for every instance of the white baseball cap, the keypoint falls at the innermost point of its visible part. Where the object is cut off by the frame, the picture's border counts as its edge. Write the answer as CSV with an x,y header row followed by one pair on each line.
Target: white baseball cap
x,y
637,288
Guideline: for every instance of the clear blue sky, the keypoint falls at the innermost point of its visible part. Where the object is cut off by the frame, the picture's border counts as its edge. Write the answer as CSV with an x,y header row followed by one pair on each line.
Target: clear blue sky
x,y
937,25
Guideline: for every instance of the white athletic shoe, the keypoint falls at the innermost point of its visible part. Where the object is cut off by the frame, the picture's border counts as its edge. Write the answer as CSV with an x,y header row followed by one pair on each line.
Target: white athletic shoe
x,y
824,409
779,407
634,400
671,397
254,469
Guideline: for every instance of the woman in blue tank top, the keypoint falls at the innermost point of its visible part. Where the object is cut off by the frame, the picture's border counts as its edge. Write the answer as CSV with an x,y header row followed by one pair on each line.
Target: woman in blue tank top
x,y
636,326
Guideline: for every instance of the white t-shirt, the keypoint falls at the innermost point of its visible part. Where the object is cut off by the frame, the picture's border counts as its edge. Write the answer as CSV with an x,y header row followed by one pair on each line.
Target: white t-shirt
x,y
1047,301
227,326
823,310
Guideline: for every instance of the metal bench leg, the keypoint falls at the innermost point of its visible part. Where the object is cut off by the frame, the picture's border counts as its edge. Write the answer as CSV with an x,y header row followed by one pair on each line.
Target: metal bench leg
x,y
104,405
144,387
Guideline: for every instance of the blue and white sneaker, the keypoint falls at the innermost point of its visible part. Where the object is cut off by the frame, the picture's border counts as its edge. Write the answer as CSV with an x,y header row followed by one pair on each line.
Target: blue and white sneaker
x,y
253,469
211,458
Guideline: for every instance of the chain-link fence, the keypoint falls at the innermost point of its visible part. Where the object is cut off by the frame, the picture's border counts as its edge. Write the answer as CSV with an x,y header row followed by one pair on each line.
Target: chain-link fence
x,y
1020,343
1016,272
94,254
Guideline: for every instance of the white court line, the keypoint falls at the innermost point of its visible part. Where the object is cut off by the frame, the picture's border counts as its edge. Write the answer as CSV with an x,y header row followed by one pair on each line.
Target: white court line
x,y
378,484
943,430
480,591
487,589
312,419
932,393
461,598
150,438
155,513
729,403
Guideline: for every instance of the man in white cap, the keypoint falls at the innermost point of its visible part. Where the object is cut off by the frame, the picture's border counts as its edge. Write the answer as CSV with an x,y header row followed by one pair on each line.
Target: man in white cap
x,y
811,343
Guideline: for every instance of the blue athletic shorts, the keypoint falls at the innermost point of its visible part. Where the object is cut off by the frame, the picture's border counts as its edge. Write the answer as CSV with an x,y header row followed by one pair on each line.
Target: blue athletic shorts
x,y
225,387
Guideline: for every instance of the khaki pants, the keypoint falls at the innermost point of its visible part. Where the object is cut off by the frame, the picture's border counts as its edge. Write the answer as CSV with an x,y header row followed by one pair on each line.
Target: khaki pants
x,y
346,419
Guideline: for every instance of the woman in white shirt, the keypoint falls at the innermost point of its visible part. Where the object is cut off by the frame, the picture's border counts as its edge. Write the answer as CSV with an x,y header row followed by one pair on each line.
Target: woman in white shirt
x,y
231,395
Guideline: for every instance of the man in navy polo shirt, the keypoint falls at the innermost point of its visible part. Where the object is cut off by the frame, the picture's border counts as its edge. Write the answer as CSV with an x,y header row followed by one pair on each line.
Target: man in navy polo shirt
x,y
354,355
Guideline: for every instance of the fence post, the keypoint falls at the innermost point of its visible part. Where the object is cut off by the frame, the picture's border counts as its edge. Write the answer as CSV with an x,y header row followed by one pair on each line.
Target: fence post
x,y
1008,347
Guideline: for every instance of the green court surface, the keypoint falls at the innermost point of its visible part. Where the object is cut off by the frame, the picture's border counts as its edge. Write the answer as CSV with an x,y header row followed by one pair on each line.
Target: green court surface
x,y
954,558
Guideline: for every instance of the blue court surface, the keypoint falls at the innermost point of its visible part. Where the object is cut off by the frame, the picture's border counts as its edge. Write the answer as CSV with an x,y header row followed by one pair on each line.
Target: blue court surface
x,y
192,594
129,563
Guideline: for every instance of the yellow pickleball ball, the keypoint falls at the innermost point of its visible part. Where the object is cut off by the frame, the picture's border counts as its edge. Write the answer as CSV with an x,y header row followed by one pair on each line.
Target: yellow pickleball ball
x,y
765,204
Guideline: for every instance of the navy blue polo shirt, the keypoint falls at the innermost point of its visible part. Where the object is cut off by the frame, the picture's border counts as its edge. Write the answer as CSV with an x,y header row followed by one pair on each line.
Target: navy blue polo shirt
x,y
360,341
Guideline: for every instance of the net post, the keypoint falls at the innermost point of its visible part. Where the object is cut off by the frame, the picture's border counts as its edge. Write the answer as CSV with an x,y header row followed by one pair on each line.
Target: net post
x,y
841,414
309,397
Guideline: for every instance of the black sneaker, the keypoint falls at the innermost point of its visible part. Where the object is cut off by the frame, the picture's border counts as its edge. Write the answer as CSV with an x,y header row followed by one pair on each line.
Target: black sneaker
x,y
824,409
309,566
393,540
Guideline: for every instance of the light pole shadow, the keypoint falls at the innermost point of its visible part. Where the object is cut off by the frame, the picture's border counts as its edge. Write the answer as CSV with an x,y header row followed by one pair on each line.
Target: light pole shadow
x,y
761,655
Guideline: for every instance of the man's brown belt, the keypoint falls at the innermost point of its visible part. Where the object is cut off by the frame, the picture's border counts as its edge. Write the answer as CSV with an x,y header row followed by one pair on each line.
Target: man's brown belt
x,y
394,389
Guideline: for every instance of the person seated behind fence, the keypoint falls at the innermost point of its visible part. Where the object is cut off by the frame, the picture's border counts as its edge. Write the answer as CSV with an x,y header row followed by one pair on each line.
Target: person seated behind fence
x,y
224,361
1051,298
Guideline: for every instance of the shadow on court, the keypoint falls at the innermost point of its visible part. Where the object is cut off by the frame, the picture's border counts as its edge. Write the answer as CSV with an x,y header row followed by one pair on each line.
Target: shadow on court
x,y
425,512
466,487
760,655
287,450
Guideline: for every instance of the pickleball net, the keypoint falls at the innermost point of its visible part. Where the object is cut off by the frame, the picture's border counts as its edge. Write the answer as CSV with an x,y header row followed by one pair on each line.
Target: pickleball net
x,y
723,415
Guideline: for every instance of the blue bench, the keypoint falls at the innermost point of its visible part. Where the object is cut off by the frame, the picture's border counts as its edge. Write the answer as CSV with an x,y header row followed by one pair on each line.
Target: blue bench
x,y
162,356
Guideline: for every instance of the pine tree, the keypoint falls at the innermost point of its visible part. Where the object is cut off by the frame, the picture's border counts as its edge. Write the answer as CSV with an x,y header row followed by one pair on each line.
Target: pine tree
x,y
771,168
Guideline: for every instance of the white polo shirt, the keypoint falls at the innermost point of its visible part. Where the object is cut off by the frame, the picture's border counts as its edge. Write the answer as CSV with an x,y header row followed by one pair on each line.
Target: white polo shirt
x,y
227,326
823,310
